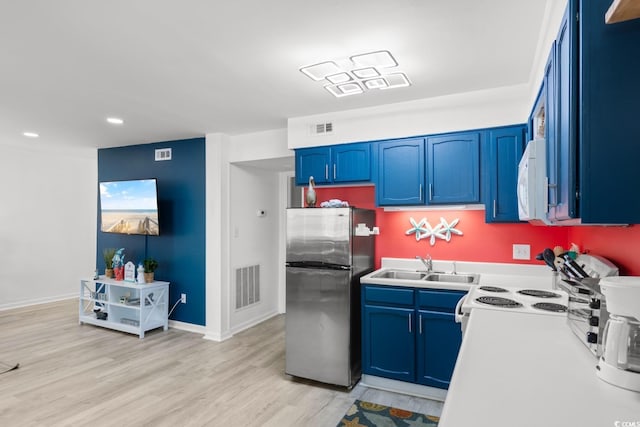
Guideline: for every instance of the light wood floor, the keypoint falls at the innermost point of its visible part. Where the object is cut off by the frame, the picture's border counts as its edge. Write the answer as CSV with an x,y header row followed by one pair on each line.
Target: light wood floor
x,y
72,375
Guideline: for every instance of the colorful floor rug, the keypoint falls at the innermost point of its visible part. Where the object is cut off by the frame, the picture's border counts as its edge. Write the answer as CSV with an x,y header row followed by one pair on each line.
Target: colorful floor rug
x,y
366,414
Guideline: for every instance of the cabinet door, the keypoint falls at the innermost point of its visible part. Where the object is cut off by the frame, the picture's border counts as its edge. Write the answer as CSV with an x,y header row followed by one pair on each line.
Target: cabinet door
x,y
388,342
351,162
400,173
453,168
505,148
313,162
563,204
551,127
439,339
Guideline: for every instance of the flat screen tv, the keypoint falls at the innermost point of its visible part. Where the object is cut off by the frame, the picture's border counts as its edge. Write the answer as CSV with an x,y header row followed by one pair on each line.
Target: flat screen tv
x,y
129,207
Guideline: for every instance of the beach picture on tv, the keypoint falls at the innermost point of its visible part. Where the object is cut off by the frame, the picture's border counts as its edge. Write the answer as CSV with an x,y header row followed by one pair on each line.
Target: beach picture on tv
x,y
129,207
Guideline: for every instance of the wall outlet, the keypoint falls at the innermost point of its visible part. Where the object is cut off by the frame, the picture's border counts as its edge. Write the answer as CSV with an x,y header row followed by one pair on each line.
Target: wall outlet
x,y
183,298
521,251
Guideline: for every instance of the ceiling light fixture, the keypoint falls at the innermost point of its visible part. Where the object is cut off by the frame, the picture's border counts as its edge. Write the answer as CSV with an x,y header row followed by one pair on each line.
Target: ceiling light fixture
x,y
115,120
367,71
30,134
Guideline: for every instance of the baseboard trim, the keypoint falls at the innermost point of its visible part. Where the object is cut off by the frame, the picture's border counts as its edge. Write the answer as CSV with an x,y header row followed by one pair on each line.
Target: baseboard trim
x,y
37,301
402,387
189,327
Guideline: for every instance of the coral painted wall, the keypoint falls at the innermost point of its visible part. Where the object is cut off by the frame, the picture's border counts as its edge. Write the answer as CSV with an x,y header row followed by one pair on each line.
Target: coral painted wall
x,y
485,242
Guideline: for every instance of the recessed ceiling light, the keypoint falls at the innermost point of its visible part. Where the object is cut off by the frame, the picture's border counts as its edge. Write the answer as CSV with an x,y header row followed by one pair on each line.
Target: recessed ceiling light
x,y
30,134
115,120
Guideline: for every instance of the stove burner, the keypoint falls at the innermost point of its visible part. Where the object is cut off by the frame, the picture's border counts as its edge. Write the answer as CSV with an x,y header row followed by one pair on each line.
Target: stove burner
x,y
550,306
499,302
492,289
539,293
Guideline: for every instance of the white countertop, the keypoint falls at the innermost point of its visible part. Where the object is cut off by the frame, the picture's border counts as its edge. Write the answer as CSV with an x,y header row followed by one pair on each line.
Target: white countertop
x,y
528,370
496,274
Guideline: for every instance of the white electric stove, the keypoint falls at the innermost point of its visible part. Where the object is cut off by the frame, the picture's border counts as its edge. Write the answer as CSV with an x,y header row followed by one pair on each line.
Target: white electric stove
x,y
524,300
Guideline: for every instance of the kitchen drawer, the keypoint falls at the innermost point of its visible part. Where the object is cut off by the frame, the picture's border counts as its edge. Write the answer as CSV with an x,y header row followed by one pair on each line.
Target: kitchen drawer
x,y
439,300
388,295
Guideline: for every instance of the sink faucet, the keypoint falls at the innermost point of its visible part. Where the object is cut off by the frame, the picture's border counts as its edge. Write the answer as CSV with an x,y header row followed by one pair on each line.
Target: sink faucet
x,y
454,268
428,262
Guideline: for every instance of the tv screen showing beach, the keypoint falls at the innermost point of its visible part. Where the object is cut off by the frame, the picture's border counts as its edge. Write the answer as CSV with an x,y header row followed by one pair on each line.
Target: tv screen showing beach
x,y
129,207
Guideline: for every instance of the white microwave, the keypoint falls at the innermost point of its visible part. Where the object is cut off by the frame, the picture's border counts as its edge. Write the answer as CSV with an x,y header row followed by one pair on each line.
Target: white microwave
x,y
532,183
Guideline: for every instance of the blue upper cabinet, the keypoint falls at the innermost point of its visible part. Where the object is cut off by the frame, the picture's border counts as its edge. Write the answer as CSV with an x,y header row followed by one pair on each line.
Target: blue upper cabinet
x,y
562,150
400,174
504,150
453,164
334,164
596,146
313,162
351,162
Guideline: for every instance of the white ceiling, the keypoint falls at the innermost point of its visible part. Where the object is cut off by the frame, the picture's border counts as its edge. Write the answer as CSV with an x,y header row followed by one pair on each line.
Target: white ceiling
x,y
179,69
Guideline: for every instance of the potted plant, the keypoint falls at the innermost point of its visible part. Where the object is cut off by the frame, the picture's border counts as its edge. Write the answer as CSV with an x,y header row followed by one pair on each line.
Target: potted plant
x,y
108,254
150,266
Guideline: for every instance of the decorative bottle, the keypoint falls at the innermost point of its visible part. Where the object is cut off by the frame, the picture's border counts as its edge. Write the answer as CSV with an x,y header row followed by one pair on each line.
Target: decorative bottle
x,y
311,194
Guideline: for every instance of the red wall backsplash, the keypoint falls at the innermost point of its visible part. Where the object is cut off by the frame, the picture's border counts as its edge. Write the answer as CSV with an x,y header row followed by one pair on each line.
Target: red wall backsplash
x,y
485,242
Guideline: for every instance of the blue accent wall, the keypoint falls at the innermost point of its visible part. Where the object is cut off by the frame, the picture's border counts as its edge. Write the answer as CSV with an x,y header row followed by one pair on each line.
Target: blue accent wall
x,y
180,247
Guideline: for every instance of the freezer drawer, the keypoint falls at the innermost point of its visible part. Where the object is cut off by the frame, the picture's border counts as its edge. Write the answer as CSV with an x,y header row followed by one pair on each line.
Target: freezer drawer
x,y
321,343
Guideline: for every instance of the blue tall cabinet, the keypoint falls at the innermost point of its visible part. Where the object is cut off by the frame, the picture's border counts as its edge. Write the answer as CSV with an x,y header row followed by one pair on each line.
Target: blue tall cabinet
x,y
593,127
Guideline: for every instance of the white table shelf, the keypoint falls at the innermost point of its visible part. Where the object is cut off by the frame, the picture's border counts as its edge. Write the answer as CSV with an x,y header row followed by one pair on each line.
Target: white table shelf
x,y
150,312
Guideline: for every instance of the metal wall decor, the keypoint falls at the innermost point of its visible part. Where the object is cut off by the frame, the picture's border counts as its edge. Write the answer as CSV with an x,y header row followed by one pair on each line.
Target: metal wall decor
x,y
443,230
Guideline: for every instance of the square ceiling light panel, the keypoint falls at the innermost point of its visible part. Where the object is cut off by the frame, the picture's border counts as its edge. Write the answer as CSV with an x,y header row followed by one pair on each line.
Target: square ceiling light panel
x,y
319,71
396,80
344,89
379,59
366,73
377,83
339,78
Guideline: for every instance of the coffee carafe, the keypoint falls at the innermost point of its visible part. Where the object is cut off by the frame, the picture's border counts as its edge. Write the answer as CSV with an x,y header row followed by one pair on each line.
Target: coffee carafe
x,y
620,360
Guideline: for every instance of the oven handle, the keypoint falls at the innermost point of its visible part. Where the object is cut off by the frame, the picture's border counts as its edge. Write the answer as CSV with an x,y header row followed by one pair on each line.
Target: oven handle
x,y
458,311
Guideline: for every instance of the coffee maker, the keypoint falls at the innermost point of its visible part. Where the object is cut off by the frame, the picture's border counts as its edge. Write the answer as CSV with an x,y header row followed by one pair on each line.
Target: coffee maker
x,y
619,363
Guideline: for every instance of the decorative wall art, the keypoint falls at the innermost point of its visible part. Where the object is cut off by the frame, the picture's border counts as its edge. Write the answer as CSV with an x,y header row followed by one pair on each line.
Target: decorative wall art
x,y
443,230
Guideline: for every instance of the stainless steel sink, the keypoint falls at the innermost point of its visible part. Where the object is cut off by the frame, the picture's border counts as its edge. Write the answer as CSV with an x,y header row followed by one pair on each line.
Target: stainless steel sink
x,y
455,278
400,275
423,275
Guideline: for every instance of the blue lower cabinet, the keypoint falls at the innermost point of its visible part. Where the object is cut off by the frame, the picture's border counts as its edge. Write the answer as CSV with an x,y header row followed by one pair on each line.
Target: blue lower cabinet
x,y
439,339
388,342
402,340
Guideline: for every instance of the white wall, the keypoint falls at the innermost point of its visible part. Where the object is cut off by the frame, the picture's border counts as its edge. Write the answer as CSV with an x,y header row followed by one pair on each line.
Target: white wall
x,y
254,239
47,222
243,175
473,110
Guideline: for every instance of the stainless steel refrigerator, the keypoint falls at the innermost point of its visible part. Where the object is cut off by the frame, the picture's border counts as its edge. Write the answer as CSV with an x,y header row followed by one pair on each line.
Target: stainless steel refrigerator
x,y
326,257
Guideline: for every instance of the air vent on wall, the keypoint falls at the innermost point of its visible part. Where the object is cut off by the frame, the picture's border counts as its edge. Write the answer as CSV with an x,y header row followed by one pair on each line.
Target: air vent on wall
x,y
322,128
163,154
247,286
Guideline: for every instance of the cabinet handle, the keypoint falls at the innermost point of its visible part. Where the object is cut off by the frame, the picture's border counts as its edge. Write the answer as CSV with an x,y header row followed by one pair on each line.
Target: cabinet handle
x,y
420,324
494,208
430,192
326,172
420,192
334,171
409,322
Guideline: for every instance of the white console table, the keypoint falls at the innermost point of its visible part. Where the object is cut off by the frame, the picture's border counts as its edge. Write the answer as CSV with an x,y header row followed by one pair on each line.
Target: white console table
x,y
129,307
